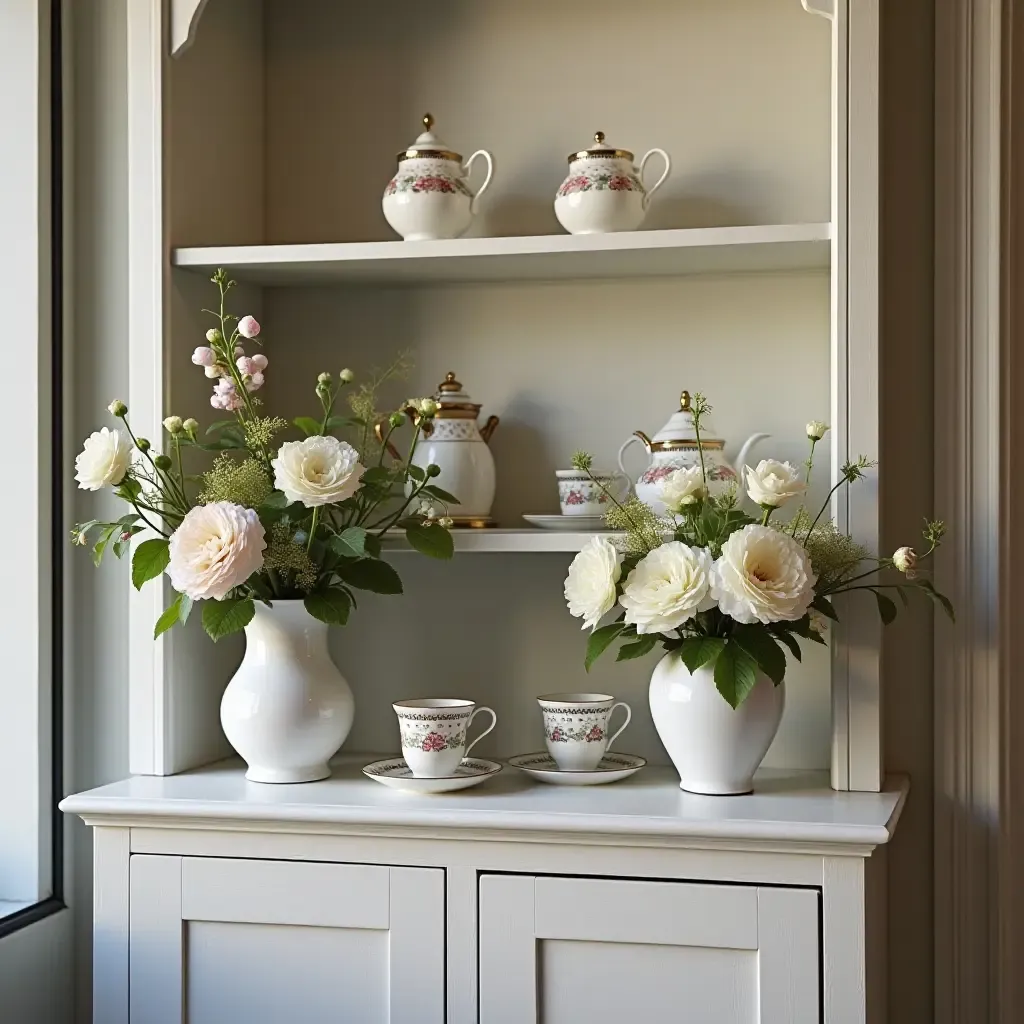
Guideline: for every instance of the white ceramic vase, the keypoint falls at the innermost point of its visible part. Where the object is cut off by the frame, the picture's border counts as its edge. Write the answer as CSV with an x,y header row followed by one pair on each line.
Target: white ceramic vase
x,y
287,709
715,749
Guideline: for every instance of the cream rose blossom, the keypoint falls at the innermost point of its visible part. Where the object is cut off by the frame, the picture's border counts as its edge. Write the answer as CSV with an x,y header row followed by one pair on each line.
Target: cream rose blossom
x,y
763,576
682,488
216,548
104,459
317,471
773,483
669,586
590,586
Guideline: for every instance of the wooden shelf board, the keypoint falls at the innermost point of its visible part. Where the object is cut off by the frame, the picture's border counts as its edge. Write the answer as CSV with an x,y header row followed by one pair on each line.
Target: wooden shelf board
x,y
773,247
501,541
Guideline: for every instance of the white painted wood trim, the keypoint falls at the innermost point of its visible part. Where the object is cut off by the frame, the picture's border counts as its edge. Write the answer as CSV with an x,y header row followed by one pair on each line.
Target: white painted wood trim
x,y
788,947
156,984
417,946
461,920
508,950
110,925
844,948
856,681
149,743
826,8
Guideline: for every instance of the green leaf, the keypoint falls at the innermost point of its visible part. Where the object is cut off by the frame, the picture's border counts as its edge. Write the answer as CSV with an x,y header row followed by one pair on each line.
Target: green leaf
x,y
104,539
275,500
309,426
758,642
735,674
802,627
947,606
350,543
442,495
149,561
372,542
431,539
637,649
824,605
902,591
333,422
698,651
790,641
377,475
886,607
171,614
220,425
128,489
600,640
221,618
418,473
371,574
186,608
124,538
332,606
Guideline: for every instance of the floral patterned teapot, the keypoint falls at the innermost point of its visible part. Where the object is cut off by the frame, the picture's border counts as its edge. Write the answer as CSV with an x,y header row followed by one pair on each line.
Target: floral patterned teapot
x,y
675,446
428,197
604,192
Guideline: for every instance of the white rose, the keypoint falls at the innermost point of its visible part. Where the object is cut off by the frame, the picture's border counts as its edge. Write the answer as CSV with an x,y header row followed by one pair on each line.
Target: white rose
x,y
773,483
590,585
905,559
682,488
317,471
669,586
763,576
817,429
216,547
104,459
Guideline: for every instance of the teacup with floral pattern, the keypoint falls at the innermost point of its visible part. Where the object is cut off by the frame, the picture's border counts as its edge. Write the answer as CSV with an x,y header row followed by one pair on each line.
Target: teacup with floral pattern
x,y
586,494
576,728
434,733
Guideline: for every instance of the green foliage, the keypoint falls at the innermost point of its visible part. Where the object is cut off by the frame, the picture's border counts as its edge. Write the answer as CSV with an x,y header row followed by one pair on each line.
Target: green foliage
x,y
149,561
600,640
735,674
350,543
309,426
643,529
698,651
177,611
371,574
331,606
222,618
431,539
638,648
757,641
289,559
261,430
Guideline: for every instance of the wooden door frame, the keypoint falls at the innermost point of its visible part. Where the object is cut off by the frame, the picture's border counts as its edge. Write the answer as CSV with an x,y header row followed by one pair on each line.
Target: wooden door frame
x,y
979,448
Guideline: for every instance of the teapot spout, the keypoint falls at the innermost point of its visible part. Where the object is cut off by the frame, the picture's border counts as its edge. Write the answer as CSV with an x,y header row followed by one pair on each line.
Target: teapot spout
x,y
488,428
741,459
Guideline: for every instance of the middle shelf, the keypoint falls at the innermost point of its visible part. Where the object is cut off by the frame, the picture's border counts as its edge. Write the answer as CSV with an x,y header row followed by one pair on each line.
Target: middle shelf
x,y
497,541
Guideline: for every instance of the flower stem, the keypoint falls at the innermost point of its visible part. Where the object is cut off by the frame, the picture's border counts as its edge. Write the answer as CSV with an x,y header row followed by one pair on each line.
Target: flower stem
x,y
312,528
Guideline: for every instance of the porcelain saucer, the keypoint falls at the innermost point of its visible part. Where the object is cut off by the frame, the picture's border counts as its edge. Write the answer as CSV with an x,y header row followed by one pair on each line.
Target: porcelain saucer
x,y
541,766
396,774
582,524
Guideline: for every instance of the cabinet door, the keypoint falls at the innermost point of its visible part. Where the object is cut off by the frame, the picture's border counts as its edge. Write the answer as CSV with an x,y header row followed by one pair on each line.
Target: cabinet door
x,y
563,950
262,942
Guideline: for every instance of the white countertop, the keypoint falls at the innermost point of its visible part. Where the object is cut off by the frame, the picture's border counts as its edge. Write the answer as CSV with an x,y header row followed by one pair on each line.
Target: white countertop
x,y
787,806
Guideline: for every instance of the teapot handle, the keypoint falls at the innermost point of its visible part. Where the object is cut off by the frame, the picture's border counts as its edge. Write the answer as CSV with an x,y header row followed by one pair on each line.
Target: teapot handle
x,y
490,174
632,439
661,181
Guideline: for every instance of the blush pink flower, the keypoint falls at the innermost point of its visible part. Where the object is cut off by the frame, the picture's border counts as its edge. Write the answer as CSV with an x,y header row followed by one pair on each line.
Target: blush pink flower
x,y
204,356
248,327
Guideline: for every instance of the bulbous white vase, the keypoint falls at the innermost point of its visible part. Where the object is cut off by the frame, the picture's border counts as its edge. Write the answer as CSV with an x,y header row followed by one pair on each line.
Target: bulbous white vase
x,y
715,749
287,709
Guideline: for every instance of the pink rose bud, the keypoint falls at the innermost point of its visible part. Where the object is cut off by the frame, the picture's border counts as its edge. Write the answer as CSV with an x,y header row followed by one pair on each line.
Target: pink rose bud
x,y
255,382
244,364
248,327
259,361
239,351
204,356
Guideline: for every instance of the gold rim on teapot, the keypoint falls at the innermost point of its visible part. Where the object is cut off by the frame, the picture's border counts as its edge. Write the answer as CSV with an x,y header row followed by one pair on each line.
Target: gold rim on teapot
x,y
602,150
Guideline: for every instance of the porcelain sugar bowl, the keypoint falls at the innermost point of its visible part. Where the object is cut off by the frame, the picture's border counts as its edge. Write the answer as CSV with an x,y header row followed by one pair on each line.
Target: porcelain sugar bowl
x,y
428,198
675,446
459,446
604,191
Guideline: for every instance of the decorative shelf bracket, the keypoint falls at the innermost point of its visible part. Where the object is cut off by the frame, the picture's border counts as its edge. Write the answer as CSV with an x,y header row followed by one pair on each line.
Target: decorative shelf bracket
x,y
826,8
185,15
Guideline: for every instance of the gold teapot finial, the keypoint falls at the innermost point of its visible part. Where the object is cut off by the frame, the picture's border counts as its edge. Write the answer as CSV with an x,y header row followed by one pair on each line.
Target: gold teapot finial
x,y
428,121
684,401
599,138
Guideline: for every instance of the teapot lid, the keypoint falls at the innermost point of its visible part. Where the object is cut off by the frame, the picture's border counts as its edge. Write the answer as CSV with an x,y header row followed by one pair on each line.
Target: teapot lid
x,y
427,144
602,150
455,403
679,430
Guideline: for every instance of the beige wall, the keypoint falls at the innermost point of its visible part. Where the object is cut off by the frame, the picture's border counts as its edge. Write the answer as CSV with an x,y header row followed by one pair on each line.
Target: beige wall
x,y
99,346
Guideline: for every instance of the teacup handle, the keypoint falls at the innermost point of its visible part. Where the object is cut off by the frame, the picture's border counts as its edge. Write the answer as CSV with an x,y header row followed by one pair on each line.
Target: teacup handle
x,y
629,715
479,192
490,728
661,181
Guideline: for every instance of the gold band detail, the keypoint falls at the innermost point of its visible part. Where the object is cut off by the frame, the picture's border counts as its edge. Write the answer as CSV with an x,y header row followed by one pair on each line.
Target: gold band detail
x,y
429,154
671,446
608,154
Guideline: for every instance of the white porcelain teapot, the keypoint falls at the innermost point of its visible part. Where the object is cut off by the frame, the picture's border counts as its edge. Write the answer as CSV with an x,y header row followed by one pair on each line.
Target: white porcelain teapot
x,y
604,191
454,442
428,197
675,446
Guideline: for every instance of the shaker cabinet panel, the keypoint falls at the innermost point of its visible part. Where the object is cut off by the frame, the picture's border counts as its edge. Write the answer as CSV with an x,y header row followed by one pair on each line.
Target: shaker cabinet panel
x,y
564,949
214,940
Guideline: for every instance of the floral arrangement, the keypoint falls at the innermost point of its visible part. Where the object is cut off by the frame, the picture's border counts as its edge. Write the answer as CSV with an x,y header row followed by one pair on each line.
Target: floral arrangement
x,y
302,519
727,590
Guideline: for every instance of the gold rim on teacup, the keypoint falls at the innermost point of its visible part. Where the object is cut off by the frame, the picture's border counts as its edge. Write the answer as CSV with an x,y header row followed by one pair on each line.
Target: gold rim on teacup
x,y
581,699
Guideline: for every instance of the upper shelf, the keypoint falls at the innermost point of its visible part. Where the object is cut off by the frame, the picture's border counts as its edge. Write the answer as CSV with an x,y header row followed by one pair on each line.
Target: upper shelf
x,y
771,247
500,541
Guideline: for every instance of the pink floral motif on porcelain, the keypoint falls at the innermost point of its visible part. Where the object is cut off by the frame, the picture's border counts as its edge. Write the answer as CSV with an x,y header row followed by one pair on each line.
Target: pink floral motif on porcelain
x,y
599,181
